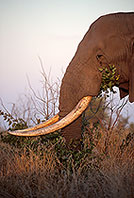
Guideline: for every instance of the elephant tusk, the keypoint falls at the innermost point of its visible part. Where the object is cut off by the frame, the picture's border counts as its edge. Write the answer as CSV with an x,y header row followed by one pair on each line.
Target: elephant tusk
x,y
68,119
44,124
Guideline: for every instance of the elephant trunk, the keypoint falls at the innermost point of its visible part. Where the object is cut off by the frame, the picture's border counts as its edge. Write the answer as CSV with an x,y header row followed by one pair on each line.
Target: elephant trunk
x,y
67,101
81,79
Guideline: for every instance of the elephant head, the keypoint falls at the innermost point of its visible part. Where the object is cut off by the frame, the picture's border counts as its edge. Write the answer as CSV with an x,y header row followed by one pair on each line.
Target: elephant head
x,y
109,40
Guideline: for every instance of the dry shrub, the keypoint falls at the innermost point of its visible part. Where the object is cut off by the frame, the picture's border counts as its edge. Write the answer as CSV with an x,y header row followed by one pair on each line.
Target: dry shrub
x,y
115,149
24,175
118,163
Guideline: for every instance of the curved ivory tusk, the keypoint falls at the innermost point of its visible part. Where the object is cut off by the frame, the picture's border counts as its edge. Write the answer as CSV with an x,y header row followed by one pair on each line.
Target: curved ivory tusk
x,y
44,124
68,119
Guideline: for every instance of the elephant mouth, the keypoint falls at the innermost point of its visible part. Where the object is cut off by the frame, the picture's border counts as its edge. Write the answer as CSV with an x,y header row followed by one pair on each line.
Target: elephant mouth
x,y
54,123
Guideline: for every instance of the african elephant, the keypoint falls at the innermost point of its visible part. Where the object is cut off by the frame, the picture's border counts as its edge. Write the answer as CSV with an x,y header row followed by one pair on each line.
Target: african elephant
x,y
109,40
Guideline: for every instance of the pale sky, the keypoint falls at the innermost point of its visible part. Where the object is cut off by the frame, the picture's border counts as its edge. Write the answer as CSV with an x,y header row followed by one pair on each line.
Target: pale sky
x,y
46,28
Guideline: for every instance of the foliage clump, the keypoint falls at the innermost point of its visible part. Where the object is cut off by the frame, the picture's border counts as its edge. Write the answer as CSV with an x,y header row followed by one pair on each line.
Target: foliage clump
x,y
13,123
110,78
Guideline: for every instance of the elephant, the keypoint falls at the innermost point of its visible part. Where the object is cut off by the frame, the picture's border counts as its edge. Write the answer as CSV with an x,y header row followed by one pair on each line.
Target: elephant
x,y
109,40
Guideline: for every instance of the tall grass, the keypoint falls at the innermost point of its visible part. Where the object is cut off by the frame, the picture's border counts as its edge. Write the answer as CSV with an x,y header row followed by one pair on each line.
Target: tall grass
x,y
106,171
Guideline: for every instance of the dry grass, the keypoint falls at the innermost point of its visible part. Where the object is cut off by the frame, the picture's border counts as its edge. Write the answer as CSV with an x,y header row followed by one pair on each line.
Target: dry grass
x,y
107,172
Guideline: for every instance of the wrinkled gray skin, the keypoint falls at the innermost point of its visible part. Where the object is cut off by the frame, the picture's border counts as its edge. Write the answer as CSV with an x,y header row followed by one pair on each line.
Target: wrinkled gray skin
x,y
109,40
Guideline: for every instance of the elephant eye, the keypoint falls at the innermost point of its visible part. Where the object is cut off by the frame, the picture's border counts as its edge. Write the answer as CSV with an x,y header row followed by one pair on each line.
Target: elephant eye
x,y
99,56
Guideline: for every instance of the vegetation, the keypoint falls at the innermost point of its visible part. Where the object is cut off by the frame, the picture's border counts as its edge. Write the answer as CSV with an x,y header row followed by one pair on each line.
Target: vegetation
x,y
110,78
104,167
38,167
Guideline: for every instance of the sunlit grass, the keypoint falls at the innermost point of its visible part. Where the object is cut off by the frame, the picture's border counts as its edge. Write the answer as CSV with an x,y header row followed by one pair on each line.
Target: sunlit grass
x,y
107,171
